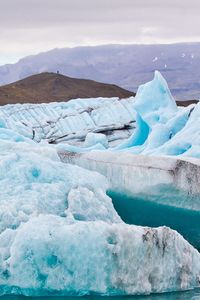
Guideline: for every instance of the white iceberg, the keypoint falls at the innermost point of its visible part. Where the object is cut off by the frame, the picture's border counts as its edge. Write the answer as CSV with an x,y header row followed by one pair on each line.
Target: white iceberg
x,y
60,234
51,255
162,128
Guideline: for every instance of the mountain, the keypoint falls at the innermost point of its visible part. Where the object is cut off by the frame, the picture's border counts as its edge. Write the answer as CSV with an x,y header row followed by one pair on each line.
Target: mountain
x,y
50,87
125,65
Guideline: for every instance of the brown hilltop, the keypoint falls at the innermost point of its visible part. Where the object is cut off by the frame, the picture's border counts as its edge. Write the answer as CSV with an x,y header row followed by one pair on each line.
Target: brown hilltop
x,y
186,102
50,87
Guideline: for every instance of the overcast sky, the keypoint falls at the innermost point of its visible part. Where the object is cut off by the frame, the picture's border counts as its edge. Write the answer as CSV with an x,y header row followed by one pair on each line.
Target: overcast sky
x,y
31,26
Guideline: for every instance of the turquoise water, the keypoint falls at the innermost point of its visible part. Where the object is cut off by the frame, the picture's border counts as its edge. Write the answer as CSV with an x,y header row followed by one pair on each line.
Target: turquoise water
x,y
189,295
147,213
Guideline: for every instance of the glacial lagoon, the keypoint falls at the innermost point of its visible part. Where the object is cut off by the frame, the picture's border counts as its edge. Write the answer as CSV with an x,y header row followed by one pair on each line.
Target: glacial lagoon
x,y
188,295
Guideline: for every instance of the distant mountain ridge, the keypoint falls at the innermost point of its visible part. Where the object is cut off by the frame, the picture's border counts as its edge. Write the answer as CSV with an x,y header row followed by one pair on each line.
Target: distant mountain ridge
x,y
53,87
125,65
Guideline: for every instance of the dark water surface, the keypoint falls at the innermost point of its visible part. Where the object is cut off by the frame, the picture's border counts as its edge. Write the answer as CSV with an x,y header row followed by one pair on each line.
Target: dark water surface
x,y
148,213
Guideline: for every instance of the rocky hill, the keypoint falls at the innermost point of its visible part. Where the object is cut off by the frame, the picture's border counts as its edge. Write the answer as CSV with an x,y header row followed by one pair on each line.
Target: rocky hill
x,y
53,87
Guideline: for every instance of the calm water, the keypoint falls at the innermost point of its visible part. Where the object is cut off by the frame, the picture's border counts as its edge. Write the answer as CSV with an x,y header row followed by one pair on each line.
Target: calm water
x,y
147,213
189,295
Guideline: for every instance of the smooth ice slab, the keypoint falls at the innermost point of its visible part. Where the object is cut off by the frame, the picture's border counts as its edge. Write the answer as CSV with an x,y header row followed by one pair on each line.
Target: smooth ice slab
x,y
164,179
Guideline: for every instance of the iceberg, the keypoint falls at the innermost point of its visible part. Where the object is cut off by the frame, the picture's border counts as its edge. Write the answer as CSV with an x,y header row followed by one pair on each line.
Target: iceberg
x,y
53,255
60,231
149,124
161,127
154,97
60,234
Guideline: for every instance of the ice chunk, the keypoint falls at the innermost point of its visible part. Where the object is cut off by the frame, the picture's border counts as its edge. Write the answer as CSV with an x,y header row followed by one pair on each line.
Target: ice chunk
x,y
161,127
32,183
60,234
84,205
95,138
52,255
153,99
186,142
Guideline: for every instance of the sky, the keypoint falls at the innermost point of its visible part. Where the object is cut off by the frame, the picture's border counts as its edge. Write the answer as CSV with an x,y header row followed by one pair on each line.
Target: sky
x,y
33,26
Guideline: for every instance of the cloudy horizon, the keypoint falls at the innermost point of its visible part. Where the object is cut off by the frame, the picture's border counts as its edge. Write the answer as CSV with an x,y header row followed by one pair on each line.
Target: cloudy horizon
x,y
30,27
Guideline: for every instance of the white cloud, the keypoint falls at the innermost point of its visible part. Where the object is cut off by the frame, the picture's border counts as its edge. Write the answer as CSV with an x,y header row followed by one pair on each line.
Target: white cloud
x,y
32,26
